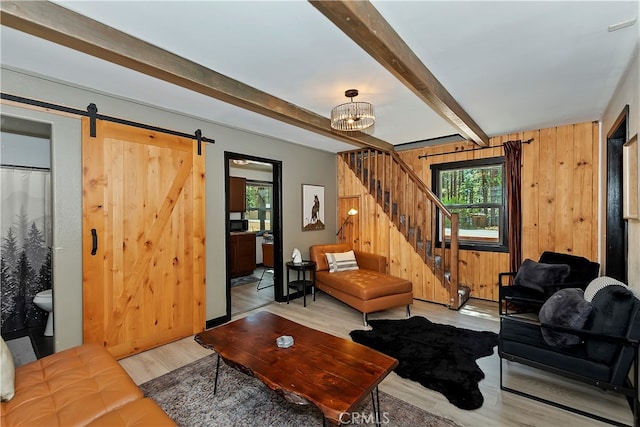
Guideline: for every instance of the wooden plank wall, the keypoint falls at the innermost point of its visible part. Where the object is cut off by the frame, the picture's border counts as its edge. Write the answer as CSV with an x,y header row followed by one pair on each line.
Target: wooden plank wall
x,y
559,203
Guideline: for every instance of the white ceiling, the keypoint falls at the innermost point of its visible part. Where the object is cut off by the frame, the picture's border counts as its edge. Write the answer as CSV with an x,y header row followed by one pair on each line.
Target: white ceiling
x,y
512,66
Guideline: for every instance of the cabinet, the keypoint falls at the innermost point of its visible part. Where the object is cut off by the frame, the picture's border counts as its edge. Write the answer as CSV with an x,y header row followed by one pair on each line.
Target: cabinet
x,y
243,254
267,255
237,197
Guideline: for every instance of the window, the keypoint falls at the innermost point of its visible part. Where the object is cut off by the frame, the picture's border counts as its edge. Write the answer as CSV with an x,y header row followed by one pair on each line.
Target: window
x,y
258,194
475,190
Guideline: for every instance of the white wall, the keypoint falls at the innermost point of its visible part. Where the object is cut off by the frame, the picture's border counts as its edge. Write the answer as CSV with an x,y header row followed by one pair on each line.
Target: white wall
x,y
17,149
256,175
320,169
627,93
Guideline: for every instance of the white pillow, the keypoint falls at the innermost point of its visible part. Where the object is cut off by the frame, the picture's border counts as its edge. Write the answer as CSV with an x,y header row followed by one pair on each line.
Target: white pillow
x,y
7,372
341,261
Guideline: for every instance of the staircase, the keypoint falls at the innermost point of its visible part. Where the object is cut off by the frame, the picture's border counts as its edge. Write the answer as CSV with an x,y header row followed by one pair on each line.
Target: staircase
x,y
413,208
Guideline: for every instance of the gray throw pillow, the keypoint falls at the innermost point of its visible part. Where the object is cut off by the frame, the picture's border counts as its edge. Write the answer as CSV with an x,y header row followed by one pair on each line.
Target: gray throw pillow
x,y
536,275
566,308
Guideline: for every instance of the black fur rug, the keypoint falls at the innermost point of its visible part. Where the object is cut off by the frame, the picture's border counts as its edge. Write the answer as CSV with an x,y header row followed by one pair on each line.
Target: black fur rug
x,y
440,357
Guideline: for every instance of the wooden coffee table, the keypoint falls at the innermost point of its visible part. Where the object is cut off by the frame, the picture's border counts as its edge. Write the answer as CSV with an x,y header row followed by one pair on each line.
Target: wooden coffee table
x,y
332,373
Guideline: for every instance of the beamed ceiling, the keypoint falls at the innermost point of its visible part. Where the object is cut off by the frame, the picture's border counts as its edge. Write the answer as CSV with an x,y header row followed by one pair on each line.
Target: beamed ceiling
x,y
431,69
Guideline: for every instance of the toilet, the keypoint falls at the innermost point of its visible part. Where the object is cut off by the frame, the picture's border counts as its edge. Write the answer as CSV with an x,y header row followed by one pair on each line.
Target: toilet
x,y
44,300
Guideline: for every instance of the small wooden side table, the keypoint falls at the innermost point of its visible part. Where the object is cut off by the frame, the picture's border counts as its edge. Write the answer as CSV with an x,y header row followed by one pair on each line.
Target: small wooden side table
x,y
302,283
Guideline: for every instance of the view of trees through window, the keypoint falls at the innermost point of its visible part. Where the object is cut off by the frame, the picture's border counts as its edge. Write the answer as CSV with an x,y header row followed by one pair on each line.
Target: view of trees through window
x,y
476,194
258,205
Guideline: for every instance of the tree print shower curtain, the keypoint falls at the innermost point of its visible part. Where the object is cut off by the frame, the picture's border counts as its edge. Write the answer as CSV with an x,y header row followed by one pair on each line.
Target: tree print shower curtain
x,y
25,252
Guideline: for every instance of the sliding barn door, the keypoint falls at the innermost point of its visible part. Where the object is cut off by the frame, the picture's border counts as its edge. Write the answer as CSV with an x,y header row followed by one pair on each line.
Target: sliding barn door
x,y
144,238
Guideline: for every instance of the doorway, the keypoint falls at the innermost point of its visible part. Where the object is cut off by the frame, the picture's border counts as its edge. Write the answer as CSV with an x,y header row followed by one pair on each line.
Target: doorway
x,y
616,226
26,233
262,283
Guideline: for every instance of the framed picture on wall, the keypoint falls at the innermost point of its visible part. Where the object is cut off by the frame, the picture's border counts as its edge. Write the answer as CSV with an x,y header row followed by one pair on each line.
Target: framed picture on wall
x,y
630,207
312,207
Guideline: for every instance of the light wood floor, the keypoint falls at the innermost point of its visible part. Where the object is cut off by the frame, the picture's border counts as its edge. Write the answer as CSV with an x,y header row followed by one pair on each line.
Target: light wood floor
x,y
247,297
500,408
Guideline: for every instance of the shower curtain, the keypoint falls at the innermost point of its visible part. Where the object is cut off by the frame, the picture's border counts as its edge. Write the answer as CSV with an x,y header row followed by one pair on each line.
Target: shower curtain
x,y
25,251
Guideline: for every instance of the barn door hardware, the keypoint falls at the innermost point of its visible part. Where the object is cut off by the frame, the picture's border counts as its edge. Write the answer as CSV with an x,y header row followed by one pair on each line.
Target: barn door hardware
x,y
424,156
92,112
92,109
199,138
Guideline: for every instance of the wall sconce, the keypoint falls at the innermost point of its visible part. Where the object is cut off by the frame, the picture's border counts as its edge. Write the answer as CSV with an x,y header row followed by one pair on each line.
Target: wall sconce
x,y
352,212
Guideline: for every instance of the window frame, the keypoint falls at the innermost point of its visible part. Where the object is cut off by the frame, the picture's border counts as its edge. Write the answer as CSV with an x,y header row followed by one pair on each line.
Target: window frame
x,y
258,183
502,245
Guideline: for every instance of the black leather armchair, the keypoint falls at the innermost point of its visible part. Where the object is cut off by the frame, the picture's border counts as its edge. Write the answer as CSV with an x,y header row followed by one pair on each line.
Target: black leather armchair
x,y
606,353
581,273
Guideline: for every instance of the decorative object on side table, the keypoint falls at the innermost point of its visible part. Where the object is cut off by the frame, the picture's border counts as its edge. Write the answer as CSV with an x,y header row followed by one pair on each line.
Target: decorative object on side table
x,y
296,256
300,284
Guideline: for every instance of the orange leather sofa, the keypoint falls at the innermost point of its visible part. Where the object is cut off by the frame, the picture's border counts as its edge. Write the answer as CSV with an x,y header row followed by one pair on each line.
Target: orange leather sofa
x,y
367,289
81,386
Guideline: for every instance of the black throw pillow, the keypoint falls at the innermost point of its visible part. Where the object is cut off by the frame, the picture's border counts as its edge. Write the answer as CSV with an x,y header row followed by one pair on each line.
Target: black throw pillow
x,y
567,308
536,275
612,309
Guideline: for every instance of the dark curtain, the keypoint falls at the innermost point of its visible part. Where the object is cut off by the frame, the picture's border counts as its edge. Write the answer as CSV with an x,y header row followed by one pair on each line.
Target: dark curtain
x,y
512,157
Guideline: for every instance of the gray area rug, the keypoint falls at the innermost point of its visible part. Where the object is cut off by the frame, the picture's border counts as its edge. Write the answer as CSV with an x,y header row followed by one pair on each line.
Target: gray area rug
x,y
238,281
21,350
186,395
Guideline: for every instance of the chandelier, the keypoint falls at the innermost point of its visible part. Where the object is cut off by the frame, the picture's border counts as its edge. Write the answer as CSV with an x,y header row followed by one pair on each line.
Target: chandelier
x,y
352,116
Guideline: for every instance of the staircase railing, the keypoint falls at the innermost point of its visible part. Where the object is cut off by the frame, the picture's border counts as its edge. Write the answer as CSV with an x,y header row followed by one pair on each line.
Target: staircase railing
x,y
419,215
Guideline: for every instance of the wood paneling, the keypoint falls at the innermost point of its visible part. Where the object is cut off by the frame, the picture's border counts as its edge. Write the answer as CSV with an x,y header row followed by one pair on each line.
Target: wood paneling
x,y
559,207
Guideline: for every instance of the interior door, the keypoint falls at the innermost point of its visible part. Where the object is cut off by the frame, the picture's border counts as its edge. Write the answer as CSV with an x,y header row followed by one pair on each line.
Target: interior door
x,y
616,249
350,225
143,238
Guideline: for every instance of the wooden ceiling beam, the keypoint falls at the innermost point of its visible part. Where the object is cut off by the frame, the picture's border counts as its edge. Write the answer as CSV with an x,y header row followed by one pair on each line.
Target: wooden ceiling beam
x,y
362,22
52,22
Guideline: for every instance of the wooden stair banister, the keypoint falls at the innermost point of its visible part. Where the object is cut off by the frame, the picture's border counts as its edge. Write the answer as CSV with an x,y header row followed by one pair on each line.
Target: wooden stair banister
x,y
414,209
453,252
